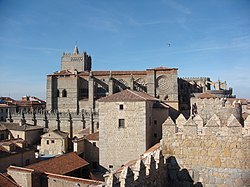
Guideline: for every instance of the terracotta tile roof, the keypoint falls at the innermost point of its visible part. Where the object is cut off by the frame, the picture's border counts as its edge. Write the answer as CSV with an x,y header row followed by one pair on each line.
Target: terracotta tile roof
x,y
17,148
74,179
128,95
153,148
115,73
206,95
16,126
61,133
83,132
93,136
60,165
7,182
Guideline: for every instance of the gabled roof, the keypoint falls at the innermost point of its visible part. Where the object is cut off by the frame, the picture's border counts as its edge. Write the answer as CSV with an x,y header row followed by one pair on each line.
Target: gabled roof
x,y
57,132
60,165
128,95
93,136
16,143
17,127
5,181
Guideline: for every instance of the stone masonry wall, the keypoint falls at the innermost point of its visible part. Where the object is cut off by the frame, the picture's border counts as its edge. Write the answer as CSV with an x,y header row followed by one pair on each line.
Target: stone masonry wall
x,y
127,142
206,108
216,156
85,119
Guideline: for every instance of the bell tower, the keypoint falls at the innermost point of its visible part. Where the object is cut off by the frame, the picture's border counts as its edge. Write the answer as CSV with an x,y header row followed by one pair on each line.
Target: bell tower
x,y
76,61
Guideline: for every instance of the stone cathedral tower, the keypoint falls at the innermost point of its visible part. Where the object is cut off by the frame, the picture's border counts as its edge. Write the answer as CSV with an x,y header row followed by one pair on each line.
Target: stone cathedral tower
x,y
76,61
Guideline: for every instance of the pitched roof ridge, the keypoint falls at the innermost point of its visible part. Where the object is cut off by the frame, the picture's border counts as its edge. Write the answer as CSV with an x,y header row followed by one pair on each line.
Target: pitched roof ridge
x,y
9,180
134,92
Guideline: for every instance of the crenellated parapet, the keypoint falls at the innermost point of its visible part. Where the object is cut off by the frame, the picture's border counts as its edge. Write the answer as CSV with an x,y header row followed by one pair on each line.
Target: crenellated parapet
x,y
63,120
213,153
222,107
148,170
199,126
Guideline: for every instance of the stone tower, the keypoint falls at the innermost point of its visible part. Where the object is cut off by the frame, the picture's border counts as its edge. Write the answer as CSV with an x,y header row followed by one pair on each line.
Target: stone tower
x,y
76,61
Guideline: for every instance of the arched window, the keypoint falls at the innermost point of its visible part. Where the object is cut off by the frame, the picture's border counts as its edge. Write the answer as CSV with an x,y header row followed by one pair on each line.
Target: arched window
x,y
64,93
57,93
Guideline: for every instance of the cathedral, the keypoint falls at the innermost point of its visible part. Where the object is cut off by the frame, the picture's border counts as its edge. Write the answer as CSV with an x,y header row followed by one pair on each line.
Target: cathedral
x,y
76,87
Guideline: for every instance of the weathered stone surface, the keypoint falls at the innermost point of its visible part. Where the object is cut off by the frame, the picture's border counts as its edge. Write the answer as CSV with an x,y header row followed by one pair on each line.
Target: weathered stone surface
x,y
222,159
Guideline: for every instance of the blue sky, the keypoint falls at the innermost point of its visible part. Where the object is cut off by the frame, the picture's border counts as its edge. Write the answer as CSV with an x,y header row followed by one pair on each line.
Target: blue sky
x,y
208,38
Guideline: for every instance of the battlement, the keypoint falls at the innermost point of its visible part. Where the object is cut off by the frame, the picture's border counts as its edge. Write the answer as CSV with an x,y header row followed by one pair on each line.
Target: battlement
x,y
195,78
216,155
222,107
67,121
220,102
71,54
147,170
214,125
76,61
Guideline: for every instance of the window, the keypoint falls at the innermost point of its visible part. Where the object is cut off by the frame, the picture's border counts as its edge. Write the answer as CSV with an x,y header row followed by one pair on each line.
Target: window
x,y
94,144
121,123
52,141
121,107
155,135
47,141
155,122
64,93
1,110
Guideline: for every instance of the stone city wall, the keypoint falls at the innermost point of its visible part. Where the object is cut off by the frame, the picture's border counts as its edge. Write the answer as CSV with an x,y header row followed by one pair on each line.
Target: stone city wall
x,y
65,121
213,155
223,108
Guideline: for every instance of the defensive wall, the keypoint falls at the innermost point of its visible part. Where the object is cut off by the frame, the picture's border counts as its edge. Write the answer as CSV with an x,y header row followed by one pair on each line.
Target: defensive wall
x,y
213,154
67,122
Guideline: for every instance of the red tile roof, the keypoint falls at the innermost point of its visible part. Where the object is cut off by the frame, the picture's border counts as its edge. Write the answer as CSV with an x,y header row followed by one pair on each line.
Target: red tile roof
x,y
7,182
115,73
128,95
74,179
4,152
60,165
93,136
